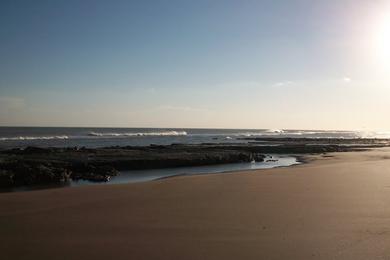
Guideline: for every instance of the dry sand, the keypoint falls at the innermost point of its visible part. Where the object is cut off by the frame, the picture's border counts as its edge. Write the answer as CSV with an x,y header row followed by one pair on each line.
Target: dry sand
x,y
331,208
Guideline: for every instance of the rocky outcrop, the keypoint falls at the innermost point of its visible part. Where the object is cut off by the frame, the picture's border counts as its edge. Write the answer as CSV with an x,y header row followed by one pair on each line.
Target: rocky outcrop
x,y
93,173
24,173
6,179
33,166
36,166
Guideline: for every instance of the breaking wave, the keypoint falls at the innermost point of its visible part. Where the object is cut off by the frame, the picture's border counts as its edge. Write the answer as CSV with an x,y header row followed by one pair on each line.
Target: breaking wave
x,y
304,134
275,131
163,133
21,138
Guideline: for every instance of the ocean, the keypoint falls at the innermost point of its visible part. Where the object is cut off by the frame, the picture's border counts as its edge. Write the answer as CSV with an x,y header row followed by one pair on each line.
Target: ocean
x,y
19,137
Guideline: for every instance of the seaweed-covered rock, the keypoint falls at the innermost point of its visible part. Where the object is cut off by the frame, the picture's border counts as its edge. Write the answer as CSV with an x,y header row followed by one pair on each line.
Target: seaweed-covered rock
x,y
25,173
33,165
93,173
6,179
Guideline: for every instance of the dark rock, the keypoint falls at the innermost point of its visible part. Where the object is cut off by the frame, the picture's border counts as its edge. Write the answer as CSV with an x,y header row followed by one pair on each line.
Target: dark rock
x,y
22,173
57,165
93,173
6,179
35,150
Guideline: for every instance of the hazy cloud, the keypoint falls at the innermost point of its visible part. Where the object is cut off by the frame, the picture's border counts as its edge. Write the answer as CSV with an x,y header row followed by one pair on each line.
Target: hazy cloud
x,y
237,85
11,103
346,79
182,108
283,84
151,91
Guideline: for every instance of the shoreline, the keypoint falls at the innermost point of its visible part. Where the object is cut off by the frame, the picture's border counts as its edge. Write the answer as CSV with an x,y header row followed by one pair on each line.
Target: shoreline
x,y
330,208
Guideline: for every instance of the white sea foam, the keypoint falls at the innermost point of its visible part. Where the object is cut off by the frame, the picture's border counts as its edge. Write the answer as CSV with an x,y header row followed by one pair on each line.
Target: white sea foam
x,y
255,134
21,138
162,133
379,135
300,133
269,132
275,131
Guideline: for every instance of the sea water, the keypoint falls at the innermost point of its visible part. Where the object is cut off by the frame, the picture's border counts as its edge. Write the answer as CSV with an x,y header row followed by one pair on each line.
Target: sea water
x,y
12,137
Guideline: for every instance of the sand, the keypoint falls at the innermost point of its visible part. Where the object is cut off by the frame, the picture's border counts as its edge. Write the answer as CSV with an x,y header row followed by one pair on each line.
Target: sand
x,y
331,208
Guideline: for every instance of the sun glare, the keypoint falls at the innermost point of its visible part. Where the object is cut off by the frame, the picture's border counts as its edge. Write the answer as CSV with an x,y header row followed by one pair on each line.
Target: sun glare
x,y
383,40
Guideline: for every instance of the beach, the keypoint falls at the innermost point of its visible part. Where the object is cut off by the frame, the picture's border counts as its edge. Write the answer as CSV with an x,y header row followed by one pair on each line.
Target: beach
x,y
332,207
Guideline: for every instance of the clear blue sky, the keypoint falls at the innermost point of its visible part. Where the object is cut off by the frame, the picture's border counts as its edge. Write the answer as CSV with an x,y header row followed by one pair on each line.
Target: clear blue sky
x,y
236,64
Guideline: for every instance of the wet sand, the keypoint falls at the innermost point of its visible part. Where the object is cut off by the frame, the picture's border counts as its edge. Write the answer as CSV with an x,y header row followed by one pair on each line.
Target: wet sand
x,y
334,207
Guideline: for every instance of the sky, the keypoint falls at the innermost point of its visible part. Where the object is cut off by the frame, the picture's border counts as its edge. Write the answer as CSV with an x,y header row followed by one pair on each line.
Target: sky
x,y
292,64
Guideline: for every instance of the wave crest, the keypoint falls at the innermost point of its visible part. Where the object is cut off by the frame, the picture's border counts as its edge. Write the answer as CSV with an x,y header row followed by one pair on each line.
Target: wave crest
x,y
163,133
22,138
